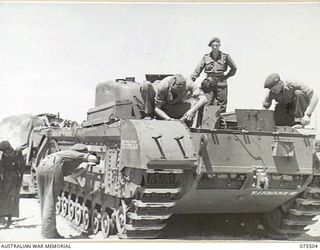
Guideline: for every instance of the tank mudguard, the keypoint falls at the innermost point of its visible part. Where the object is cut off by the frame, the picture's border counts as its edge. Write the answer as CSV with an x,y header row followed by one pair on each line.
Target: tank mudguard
x,y
155,144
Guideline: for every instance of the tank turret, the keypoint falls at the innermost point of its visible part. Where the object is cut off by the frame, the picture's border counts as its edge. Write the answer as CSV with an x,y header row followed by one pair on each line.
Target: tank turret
x,y
119,90
114,100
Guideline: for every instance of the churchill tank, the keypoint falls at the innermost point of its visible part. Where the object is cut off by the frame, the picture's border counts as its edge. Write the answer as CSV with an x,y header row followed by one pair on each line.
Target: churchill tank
x,y
149,170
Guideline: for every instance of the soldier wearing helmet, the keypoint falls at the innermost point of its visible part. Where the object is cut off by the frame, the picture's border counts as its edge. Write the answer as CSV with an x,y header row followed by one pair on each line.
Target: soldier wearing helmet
x,y
215,65
174,97
295,101
50,173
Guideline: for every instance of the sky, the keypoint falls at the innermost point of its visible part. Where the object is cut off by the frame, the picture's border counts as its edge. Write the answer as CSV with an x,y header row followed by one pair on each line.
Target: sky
x,y
52,55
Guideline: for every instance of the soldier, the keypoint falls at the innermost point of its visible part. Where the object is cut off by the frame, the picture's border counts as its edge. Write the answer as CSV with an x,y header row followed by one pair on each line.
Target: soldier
x,y
50,173
174,97
295,101
11,171
215,65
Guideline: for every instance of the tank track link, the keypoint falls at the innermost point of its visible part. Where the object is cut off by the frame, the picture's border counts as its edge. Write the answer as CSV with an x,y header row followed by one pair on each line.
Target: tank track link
x,y
302,214
294,220
72,212
146,215
142,217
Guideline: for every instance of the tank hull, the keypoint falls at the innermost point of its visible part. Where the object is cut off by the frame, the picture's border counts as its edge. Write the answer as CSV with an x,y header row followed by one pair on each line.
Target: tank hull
x,y
149,182
150,170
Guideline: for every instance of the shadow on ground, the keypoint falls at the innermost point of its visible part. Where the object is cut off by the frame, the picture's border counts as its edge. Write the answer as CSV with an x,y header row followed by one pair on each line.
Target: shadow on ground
x,y
221,226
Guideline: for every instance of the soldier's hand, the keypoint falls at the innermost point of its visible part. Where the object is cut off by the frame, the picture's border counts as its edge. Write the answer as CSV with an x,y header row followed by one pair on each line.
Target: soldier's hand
x,y
93,158
305,120
169,119
189,115
183,118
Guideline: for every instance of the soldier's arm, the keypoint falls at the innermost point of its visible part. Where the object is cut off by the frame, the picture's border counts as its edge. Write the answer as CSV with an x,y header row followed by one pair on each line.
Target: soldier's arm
x,y
196,92
306,119
72,159
160,113
196,73
313,104
307,114
267,101
201,102
233,67
312,96
190,114
71,156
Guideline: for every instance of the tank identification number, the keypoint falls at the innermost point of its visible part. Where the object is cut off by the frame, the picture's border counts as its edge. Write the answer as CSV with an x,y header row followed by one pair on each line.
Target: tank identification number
x,y
308,245
161,179
264,192
129,144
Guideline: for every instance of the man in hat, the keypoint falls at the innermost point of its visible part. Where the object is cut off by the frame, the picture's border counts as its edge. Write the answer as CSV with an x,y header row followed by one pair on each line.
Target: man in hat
x,y
295,101
50,173
11,171
215,65
174,97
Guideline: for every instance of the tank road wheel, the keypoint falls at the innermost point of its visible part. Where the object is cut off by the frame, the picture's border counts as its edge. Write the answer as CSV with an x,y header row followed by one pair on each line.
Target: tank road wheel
x,y
85,218
272,222
78,214
252,225
71,210
106,225
65,205
58,205
121,219
95,221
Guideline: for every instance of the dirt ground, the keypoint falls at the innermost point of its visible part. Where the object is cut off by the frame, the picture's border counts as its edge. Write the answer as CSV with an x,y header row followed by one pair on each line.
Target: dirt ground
x,y
27,228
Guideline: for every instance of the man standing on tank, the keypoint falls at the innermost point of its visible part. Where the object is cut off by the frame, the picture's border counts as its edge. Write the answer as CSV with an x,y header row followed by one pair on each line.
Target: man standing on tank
x,y
215,65
50,177
174,97
295,100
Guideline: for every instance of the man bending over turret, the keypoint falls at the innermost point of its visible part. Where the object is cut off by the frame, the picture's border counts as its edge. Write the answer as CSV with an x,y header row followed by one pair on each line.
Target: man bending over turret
x,y
175,97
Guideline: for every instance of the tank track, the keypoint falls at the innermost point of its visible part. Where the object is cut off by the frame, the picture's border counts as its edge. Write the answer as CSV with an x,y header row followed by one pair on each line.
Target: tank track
x,y
142,217
66,208
146,215
292,222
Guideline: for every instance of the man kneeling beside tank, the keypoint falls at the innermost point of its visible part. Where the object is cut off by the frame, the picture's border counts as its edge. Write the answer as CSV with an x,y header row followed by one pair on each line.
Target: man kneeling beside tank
x,y
174,97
